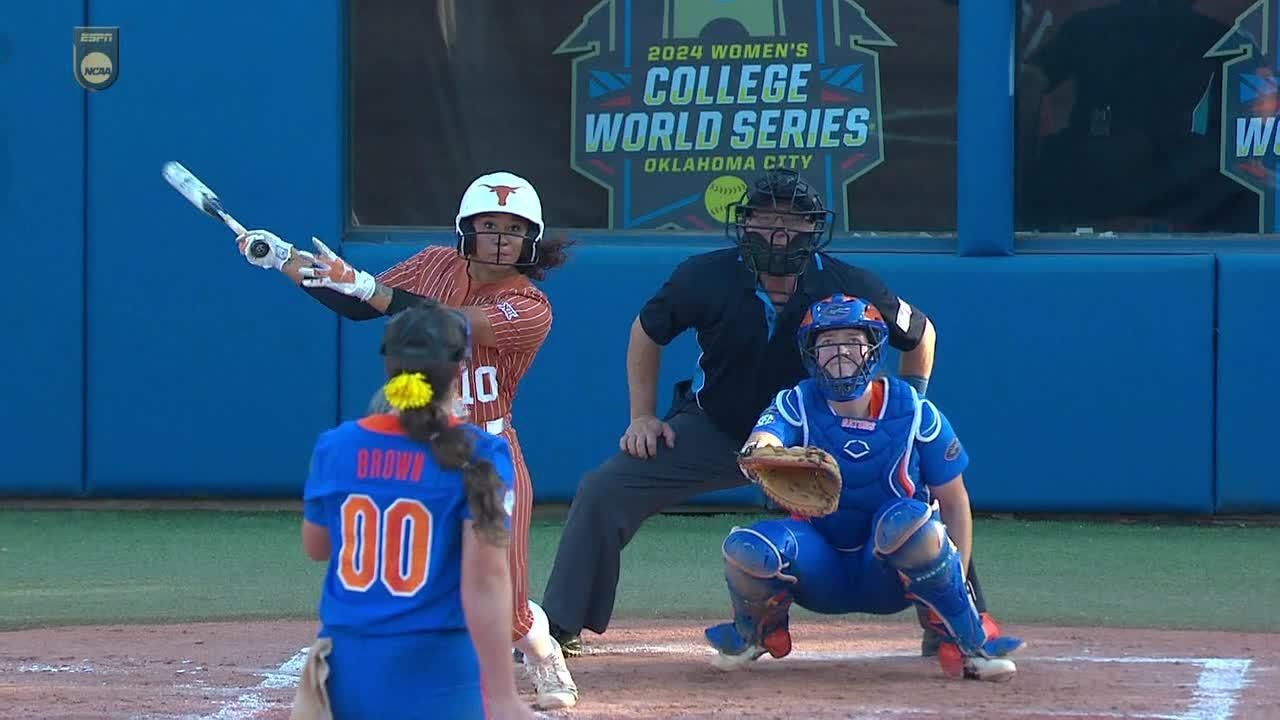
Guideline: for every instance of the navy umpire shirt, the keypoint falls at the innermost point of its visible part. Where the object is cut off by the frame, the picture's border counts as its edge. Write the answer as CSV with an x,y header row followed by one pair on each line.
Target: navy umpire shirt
x,y
748,349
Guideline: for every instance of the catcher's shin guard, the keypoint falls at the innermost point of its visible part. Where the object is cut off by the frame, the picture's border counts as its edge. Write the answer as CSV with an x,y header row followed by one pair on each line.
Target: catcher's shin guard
x,y
759,589
913,542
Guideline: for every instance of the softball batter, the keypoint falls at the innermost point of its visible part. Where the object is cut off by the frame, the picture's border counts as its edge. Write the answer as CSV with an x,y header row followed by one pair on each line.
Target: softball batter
x,y
500,248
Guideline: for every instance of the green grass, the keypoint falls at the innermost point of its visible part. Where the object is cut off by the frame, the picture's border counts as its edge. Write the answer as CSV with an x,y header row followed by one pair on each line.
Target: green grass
x,y
83,566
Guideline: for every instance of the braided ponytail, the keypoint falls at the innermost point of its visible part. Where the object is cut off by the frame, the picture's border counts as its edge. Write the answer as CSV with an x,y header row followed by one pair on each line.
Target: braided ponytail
x,y
424,348
453,447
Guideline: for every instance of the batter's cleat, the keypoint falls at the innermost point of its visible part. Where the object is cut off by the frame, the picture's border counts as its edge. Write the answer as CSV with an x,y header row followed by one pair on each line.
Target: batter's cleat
x,y
517,656
551,678
991,669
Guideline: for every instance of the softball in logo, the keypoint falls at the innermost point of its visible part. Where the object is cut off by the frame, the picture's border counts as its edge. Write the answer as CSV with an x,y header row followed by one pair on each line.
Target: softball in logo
x,y
721,192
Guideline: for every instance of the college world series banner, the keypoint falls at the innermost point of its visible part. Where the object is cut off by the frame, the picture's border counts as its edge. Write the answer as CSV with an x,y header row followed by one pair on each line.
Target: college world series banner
x,y
677,104
1251,106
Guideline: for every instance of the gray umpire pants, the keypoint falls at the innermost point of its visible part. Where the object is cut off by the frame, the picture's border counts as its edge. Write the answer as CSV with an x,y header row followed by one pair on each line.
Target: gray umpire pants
x,y
616,498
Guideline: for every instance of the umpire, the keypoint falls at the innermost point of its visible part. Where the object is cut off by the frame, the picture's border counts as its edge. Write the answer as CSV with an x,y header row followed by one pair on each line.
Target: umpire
x,y
745,304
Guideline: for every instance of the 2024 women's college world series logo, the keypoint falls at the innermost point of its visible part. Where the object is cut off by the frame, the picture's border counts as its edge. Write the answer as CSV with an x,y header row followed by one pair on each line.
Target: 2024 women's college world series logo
x,y
1251,107
677,103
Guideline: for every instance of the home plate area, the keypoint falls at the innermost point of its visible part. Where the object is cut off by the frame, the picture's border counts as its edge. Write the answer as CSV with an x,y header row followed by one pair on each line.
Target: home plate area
x,y
660,669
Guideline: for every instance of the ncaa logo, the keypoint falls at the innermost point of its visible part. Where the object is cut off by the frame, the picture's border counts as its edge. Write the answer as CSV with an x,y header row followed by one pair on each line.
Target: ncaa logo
x,y
96,56
96,68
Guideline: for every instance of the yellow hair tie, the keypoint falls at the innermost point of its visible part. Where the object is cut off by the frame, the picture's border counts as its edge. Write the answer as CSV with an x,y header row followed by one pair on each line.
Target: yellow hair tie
x,y
408,391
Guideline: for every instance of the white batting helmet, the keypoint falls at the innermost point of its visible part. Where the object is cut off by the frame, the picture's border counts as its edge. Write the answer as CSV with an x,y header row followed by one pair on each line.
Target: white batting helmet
x,y
502,192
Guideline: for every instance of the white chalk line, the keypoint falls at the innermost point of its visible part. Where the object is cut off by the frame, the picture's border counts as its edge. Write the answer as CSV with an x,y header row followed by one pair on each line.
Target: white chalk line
x,y
1217,692
84,667
1217,689
703,649
1026,710
253,702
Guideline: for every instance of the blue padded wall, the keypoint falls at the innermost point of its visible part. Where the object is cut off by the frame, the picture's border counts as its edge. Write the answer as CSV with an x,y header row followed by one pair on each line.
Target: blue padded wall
x,y
1247,390
1063,376
1029,370
42,223
206,375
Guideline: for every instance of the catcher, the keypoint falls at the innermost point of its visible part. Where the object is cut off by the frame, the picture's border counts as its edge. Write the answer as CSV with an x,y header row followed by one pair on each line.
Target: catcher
x,y
880,514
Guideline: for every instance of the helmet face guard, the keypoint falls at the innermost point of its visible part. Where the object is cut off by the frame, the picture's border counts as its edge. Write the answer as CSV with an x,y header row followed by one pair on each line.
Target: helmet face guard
x,y
469,246
779,224
500,192
842,370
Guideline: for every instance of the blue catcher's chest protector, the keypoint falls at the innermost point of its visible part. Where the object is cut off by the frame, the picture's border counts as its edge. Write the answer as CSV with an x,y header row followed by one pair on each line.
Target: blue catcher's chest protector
x,y
877,457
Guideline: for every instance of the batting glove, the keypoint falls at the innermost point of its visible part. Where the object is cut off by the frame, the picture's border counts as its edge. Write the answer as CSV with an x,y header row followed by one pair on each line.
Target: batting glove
x,y
278,252
330,271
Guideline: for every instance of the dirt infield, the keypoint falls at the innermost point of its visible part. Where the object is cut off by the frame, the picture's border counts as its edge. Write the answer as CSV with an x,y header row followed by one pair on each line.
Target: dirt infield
x,y
238,671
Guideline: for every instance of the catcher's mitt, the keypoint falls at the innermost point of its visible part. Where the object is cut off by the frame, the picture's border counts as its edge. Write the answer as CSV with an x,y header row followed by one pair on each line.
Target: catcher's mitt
x,y
804,480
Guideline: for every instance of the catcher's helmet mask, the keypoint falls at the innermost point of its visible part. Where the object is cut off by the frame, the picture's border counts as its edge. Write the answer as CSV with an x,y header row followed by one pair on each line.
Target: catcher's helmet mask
x,y
798,225
847,349
862,358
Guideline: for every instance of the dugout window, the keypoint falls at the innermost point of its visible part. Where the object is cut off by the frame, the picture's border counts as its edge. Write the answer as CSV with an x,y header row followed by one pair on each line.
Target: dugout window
x,y
1145,116
653,114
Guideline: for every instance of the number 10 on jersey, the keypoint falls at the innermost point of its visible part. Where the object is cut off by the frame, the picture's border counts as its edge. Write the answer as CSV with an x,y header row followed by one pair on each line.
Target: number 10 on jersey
x,y
484,388
392,545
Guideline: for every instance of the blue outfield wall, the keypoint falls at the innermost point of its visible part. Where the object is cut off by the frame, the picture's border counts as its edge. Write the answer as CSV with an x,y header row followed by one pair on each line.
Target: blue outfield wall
x,y
1248,393
1063,401
42,224
207,376
150,360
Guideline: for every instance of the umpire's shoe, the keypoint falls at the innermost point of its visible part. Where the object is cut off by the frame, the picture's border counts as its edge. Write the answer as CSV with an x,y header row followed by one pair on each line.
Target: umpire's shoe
x,y
570,643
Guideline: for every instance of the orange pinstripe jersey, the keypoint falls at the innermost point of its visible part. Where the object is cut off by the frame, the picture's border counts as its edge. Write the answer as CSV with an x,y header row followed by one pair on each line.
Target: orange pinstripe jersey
x,y
519,313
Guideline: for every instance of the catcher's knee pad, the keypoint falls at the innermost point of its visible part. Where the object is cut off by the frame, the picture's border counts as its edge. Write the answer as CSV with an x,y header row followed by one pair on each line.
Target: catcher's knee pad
x,y
907,536
763,551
